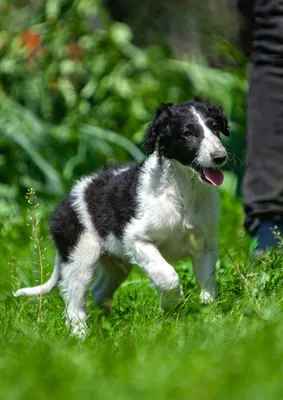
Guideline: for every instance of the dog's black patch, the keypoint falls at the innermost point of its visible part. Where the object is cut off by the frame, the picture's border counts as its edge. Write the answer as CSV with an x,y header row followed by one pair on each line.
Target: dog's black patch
x,y
111,199
185,137
175,132
65,227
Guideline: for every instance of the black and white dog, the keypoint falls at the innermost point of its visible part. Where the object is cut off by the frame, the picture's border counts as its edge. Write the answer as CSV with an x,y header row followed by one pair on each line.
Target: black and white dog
x,y
147,214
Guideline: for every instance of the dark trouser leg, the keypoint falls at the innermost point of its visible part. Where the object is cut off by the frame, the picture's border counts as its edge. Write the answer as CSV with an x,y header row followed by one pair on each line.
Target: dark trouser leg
x,y
263,183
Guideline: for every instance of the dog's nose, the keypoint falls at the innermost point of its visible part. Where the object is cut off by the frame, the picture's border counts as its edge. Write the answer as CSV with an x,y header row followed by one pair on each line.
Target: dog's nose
x,y
219,159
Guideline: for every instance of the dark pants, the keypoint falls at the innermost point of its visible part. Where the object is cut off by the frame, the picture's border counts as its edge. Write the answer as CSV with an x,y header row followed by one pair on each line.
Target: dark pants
x,y
263,183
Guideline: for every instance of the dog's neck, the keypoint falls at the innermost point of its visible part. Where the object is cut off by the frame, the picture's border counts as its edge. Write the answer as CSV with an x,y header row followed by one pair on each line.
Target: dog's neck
x,y
164,173
167,169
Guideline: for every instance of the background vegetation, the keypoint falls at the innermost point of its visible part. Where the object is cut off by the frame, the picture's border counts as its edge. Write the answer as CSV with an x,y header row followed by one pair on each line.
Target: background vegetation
x,y
77,93
79,82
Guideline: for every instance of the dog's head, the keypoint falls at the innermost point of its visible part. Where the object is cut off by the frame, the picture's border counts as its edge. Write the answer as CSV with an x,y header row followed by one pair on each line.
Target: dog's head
x,y
190,134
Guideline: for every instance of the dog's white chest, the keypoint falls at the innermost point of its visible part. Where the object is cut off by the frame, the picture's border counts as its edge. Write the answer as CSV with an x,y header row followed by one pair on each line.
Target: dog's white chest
x,y
180,241
175,212
176,225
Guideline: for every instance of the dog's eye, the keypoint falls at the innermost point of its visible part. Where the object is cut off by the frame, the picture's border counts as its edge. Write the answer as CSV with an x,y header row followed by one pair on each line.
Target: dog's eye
x,y
215,127
188,132
212,125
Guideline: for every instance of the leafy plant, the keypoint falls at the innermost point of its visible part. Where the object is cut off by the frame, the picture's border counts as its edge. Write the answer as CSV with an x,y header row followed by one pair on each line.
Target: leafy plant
x,y
77,94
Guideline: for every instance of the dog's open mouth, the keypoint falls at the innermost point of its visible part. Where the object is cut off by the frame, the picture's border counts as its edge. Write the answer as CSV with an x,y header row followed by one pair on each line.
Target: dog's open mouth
x,y
212,175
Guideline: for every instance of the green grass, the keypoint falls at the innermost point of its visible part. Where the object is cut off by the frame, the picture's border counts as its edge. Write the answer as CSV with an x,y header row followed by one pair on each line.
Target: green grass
x,y
232,349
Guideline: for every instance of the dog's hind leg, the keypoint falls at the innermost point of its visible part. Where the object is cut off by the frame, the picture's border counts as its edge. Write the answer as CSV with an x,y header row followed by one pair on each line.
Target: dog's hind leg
x,y
77,275
113,272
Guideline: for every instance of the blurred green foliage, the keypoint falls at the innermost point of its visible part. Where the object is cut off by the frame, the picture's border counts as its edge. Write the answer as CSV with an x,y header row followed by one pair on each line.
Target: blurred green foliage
x,y
76,94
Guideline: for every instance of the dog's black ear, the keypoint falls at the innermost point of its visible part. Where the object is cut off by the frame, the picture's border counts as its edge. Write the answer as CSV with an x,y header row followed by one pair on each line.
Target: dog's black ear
x,y
157,128
218,115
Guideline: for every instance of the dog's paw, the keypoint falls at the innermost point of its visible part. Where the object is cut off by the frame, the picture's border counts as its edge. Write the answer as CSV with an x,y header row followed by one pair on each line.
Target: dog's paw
x,y
171,299
206,297
79,331
76,324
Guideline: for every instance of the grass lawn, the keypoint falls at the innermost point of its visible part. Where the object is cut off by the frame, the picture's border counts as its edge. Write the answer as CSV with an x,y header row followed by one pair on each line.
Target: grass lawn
x,y
232,349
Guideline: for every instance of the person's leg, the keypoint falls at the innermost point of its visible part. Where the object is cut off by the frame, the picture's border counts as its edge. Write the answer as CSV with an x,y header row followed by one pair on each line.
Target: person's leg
x,y
263,182
246,22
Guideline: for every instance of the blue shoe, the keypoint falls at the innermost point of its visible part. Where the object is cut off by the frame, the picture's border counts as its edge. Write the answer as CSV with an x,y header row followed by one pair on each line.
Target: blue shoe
x,y
265,234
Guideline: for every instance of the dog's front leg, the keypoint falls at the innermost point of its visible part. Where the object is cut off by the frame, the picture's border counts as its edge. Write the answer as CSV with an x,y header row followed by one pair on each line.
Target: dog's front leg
x,y
163,276
204,267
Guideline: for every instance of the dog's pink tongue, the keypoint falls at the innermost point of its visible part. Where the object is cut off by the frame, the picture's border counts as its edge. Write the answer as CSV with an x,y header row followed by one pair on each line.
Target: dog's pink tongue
x,y
214,176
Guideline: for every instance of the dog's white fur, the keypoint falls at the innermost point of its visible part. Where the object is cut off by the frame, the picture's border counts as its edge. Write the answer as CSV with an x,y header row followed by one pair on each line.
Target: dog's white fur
x,y
210,144
177,217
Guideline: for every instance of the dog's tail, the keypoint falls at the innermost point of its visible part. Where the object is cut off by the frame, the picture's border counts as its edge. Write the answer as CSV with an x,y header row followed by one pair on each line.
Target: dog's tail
x,y
46,287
